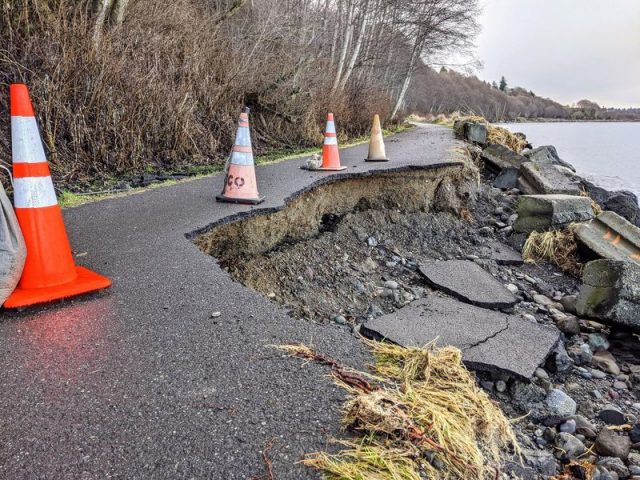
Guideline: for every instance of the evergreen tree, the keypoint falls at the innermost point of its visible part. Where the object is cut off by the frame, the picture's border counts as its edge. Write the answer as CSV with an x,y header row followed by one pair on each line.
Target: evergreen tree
x,y
503,84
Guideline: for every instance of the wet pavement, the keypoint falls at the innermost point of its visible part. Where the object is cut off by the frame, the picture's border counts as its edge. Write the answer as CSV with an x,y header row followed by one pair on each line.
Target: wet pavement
x,y
140,381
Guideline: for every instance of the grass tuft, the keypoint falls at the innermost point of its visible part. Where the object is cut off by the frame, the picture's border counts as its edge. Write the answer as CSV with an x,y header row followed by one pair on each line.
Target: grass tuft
x,y
558,247
426,415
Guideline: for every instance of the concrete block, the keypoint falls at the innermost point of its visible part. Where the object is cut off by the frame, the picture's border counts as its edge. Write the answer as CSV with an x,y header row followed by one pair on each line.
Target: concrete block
x,y
549,155
497,158
545,178
475,133
610,236
544,212
611,292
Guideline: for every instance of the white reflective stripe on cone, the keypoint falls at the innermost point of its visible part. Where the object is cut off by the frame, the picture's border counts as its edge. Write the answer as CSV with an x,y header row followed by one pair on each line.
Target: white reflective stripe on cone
x,y
243,137
330,141
241,158
26,145
331,127
33,192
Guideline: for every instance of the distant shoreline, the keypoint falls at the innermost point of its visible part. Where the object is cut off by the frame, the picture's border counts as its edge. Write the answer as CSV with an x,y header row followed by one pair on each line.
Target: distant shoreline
x,y
564,120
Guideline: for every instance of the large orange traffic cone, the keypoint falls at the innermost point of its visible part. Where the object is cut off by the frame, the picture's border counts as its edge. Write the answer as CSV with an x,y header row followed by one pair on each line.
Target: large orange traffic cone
x,y
240,184
330,152
49,272
377,151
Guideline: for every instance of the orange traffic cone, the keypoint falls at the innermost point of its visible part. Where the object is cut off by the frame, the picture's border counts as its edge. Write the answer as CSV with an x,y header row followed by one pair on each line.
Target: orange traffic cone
x,y
330,152
49,272
240,184
377,151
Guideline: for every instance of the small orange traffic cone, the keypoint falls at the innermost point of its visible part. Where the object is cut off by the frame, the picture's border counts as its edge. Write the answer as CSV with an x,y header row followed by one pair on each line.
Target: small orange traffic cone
x,y
240,184
49,272
330,152
377,151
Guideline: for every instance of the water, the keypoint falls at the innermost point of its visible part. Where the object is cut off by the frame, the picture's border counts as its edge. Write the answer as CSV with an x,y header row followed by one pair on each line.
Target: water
x,y
607,154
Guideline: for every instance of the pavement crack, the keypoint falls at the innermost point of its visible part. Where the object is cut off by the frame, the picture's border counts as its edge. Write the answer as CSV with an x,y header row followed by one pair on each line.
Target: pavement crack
x,y
486,339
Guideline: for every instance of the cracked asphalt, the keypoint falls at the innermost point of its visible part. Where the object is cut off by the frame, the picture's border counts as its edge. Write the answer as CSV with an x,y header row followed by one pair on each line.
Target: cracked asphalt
x,y
139,381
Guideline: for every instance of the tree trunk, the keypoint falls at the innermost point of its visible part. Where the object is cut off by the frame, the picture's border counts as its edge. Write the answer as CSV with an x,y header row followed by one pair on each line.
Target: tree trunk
x,y
415,55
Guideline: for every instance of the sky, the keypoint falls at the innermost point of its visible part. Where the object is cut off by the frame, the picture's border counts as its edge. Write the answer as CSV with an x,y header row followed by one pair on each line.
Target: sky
x,y
566,50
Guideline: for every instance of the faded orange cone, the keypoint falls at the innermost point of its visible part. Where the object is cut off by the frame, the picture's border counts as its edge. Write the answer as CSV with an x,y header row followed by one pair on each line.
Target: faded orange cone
x,y
330,152
377,151
49,272
240,184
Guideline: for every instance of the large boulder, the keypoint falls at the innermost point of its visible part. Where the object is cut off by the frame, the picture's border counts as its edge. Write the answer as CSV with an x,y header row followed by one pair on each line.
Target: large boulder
x,y
544,212
611,292
545,178
470,131
622,202
547,154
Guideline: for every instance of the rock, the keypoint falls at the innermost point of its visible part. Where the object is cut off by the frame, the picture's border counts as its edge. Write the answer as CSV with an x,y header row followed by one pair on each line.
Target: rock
x,y
541,373
497,158
340,320
541,212
610,236
598,374
611,416
561,406
372,242
605,361
543,300
569,445
501,253
391,284
569,303
584,427
489,340
568,427
547,154
507,178
625,204
468,282
610,292
314,162
634,434
614,464
540,460
216,314
536,178
597,342
610,444
568,325
620,385
581,354
512,288
563,362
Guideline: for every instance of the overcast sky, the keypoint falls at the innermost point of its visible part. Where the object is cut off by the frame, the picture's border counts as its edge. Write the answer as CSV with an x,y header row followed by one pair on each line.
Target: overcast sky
x,y
564,49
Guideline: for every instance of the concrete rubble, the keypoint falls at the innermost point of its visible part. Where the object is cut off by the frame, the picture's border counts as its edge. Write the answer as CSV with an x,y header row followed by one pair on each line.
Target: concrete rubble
x,y
544,212
547,154
490,341
545,178
468,282
611,291
470,131
498,157
610,236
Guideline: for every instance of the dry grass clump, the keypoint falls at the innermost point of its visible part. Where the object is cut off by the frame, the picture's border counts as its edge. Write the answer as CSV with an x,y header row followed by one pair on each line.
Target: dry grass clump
x,y
498,135
557,246
595,206
425,416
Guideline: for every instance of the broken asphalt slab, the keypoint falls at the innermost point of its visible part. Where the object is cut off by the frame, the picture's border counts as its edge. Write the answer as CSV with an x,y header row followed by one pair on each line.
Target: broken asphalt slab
x,y
140,381
467,281
490,341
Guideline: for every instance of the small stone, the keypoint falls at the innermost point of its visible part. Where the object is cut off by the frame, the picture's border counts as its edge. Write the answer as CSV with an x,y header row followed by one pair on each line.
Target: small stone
x,y
216,314
610,444
562,360
569,426
541,461
372,242
611,415
541,373
512,288
529,317
634,433
598,374
613,464
543,300
605,361
531,280
620,385
560,404
568,324
581,354
584,427
634,458
487,385
569,303
340,320
596,394
391,284
570,446
485,231
597,342
501,386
